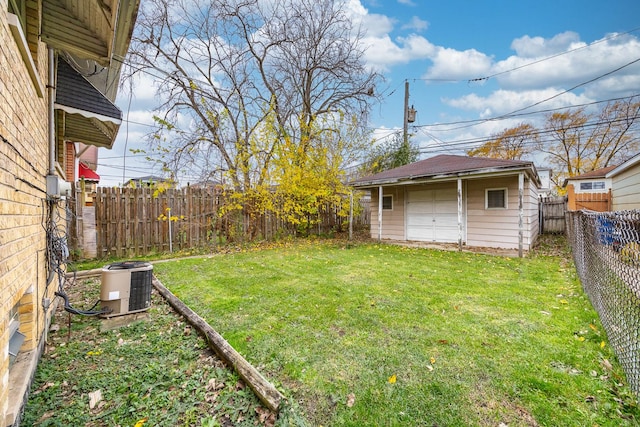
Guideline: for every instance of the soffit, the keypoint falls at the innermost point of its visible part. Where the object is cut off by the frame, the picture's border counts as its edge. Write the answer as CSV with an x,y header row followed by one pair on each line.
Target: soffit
x,y
83,27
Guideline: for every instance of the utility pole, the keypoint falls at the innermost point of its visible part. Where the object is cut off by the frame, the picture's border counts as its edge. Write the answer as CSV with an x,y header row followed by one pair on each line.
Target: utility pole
x,y
406,112
409,113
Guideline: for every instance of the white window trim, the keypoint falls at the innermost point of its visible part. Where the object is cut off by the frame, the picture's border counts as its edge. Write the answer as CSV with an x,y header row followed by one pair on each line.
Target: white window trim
x,y
383,197
23,47
506,198
593,190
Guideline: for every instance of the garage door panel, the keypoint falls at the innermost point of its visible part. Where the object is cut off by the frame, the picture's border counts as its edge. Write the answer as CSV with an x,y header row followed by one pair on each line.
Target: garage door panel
x,y
420,221
432,215
446,207
420,195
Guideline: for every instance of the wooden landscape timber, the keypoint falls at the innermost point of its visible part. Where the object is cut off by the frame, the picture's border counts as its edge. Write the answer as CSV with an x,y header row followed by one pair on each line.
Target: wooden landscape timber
x,y
263,389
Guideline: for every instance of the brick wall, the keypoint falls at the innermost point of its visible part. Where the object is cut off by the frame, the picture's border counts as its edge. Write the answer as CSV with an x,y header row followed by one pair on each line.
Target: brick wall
x,y
23,166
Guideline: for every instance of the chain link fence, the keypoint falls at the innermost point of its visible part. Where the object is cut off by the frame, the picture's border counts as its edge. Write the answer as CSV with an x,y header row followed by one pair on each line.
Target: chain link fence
x,y
606,251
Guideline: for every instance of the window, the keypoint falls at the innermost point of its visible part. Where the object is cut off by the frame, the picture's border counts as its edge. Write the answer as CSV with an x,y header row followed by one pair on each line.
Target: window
x,y
595,185
387,203
16,338
496,198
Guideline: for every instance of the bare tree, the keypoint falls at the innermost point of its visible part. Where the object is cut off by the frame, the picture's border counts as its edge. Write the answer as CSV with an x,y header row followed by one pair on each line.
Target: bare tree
x,y
239,77
581,142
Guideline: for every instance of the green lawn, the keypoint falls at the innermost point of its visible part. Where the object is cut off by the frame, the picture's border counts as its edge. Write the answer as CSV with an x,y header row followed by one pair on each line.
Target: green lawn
x,y
367,334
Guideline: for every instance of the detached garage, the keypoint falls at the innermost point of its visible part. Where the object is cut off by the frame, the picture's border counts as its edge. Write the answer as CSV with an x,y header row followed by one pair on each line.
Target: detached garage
x,y
470,201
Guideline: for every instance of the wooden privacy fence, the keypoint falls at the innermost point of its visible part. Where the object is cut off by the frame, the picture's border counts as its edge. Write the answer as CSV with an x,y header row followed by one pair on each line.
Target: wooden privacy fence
x,y
135,221
139,221
552,214
599,202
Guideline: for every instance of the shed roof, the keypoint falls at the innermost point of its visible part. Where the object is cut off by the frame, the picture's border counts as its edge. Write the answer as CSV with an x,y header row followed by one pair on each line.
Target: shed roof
x,y
598,173
446,166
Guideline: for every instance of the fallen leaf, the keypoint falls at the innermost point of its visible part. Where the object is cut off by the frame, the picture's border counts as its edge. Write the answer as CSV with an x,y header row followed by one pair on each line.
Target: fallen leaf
x,y
443,342
430,368
607,364
94,398
392,379
592,326
141,422
265,416
214,385
351,400
564,301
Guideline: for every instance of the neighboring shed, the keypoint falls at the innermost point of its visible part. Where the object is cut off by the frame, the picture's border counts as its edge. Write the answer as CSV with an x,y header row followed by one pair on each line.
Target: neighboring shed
x,y
472,201
625,184
590,190
613,188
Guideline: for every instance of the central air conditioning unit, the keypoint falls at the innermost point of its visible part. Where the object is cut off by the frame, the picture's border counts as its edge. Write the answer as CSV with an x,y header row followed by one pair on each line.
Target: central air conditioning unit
x,y
126,288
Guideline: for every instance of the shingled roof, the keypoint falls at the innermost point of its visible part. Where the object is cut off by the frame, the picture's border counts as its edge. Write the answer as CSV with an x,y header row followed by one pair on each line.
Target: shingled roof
x,y
598,173
443,166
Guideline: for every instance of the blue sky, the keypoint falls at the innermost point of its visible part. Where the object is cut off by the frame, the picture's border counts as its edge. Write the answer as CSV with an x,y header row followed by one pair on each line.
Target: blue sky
x,y
532,51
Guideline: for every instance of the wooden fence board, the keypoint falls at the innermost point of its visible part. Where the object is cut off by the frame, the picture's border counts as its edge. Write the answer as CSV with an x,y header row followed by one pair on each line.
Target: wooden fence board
x,y
552,214
135,221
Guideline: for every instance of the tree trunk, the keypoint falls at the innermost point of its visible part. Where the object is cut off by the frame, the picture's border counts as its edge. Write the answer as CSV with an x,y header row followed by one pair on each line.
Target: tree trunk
x,y
265,391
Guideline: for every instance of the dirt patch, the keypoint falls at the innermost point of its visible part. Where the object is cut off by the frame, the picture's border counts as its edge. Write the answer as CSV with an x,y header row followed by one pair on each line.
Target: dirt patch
x,y
500,411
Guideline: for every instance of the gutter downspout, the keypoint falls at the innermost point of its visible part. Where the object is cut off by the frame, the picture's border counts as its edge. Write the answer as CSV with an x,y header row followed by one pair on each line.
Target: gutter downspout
x,y
51,89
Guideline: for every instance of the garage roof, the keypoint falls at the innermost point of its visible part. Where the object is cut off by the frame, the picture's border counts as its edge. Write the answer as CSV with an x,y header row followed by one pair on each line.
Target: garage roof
x,y
446,166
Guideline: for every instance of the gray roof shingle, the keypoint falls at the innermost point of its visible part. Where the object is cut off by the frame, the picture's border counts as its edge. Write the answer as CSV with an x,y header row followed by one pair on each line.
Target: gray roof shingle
x,y
444,164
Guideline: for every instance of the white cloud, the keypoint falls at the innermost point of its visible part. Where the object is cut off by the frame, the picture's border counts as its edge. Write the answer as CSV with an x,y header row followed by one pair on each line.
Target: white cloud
x,y
416,24
575,64
377,25
451,64
502,101
535,47
382,52
407,2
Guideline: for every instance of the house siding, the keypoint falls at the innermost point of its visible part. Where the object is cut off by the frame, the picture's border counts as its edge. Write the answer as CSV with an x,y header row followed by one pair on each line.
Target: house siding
x,y
626,189
23,166
498,228
392,220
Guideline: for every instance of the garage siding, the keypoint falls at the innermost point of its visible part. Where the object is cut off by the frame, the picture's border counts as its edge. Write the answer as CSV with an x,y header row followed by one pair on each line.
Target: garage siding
x,y
498,228
392,220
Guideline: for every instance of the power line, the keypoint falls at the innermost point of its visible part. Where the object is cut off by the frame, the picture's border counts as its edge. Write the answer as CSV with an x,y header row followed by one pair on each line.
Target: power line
x,y
548,110
554,56
463,144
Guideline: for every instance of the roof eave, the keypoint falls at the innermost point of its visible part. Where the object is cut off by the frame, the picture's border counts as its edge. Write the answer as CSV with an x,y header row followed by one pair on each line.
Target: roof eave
x,y
475,174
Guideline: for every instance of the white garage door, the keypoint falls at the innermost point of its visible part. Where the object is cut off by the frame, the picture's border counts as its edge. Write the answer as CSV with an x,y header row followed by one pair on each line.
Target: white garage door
x,y
432,215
